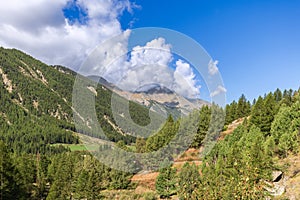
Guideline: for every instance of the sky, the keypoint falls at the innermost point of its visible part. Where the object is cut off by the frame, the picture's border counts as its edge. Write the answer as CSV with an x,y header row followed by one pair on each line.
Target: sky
x,y
254,45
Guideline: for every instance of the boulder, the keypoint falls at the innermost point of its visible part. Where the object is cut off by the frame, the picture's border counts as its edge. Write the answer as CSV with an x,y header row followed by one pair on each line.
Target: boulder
x,y
277,176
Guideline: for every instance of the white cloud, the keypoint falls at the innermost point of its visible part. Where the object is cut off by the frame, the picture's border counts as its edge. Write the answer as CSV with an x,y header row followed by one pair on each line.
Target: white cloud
x,y
212,67
147,64
154,52
138,77
40,28
150,64
32,15
185,83
220,89
109,59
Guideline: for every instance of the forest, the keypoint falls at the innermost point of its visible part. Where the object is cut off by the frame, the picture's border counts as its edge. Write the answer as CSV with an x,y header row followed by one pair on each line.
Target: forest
x,y
36,128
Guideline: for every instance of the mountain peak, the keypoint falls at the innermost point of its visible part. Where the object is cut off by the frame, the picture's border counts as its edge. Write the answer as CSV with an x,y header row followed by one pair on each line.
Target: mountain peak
x,y
154,89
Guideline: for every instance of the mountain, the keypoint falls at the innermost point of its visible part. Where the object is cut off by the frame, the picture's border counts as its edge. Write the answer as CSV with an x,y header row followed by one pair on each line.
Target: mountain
x,y
158,98
37,111
162,100
254,158
154,89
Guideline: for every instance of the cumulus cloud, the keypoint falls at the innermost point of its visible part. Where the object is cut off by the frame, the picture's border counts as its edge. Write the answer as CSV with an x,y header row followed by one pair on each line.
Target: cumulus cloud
x,y
150,64
212,67
137,77
146,65
185,82
220,89
40,28
109,59
154,52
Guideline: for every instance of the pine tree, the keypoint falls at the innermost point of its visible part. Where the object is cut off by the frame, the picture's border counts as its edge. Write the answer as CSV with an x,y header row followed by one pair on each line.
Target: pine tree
x,y
270,146
287,97
243,107
203,125
278,95
231,112
189,181
9,187
166,182
256,113
163,137
140,145
119,179
263,113
81,185
284,144
216,123
269,111
61,187
281,123
93,185
285,128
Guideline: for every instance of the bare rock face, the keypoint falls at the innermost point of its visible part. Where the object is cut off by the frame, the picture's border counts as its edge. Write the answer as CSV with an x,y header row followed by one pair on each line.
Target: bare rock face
x,y
277,176
153,96
278,185
162,96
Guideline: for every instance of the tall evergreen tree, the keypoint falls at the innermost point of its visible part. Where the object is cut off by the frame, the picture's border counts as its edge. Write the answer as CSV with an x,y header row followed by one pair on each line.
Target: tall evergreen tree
x,y
188,181
61,188
163,137
140,145
256,113
263,113
243,107
203,125
81,190
93,185
285,128
9,187
278,95
281,123
269,111
287,97
231,112
166,182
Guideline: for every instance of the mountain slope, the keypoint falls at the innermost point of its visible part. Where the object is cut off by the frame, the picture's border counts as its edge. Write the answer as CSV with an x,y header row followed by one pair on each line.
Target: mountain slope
x,y
156,97
36,105
162,100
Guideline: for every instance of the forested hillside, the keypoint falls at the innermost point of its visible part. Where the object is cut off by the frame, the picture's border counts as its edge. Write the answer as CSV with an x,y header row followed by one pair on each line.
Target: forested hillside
x,y
36,99
37,129
36,120
241,165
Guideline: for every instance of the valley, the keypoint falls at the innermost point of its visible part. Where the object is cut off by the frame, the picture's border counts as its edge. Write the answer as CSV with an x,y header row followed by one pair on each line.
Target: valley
x,y
46,155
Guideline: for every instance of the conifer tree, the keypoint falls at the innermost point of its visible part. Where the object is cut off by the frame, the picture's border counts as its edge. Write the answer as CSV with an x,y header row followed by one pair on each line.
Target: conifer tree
x,y
166,182
269,111
140,145
243,107
281,123
203,125
81,185
189,181
256,113
278,95
163,137
9,187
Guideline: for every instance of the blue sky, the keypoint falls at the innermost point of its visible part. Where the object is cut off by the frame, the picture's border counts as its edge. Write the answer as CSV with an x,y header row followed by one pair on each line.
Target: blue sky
x,y
257,42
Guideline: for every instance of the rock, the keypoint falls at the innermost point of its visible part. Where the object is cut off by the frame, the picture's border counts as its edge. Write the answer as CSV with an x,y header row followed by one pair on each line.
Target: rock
x,y
278,184
277,176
